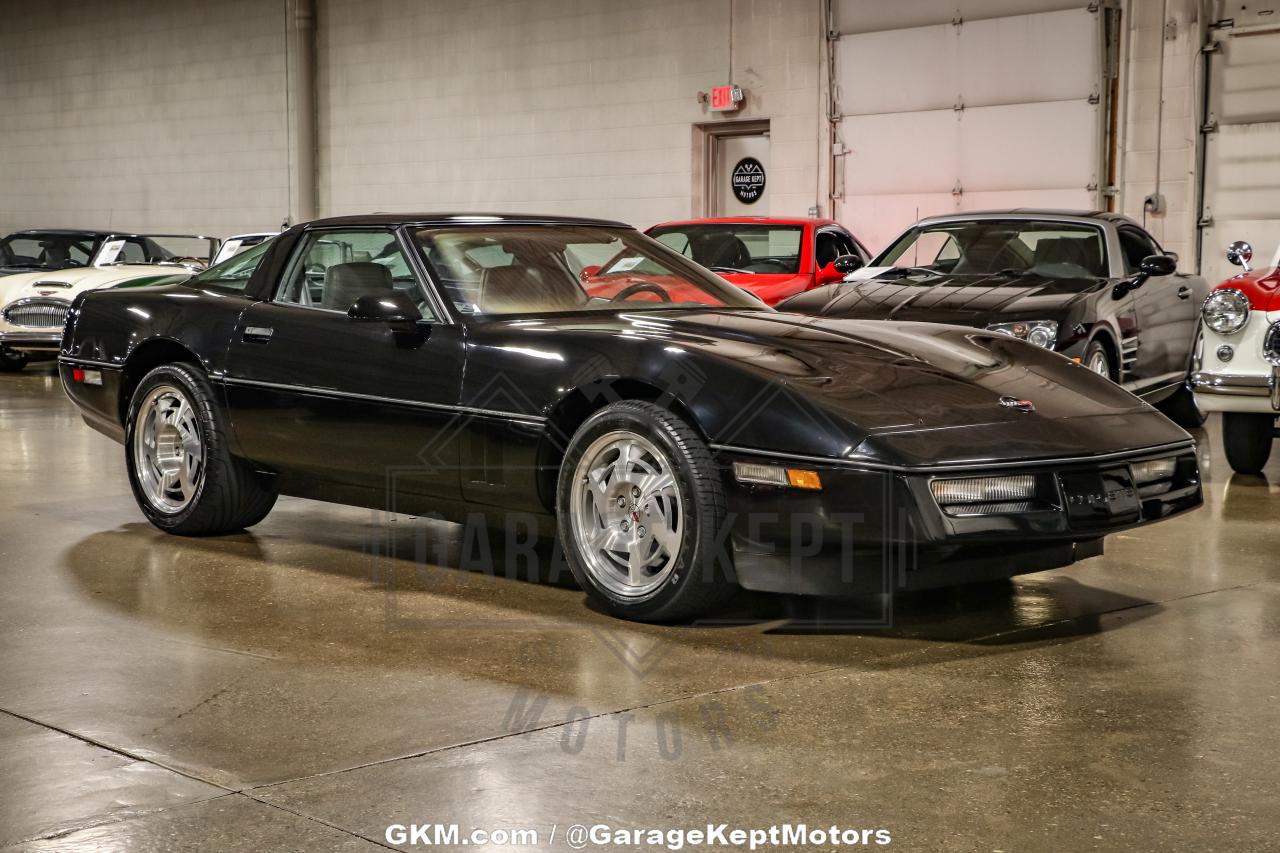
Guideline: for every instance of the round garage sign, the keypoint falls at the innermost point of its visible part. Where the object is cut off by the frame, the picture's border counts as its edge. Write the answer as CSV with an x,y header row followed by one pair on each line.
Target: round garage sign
x,y
748,180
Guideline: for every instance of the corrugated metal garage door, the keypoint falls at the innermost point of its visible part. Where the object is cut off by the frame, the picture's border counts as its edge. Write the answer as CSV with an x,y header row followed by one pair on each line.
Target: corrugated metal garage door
x,y
980,104
1242,151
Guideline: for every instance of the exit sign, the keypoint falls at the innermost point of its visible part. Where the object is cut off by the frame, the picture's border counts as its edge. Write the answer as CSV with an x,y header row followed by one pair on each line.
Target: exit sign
x,y
725,98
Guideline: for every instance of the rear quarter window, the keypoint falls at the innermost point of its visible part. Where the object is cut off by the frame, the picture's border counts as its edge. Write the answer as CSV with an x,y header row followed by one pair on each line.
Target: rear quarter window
x,y
232,275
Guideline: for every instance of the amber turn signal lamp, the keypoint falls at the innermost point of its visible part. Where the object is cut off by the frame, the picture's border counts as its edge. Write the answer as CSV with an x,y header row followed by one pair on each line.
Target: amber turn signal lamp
x,y
802,479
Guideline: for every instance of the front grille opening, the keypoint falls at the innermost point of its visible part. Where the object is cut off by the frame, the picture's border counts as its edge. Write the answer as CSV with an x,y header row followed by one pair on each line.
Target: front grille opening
x,y
37,315
1000,495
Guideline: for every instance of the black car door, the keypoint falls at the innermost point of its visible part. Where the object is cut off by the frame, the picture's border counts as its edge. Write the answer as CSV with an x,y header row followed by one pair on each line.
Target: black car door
x,y
1166,315
328,401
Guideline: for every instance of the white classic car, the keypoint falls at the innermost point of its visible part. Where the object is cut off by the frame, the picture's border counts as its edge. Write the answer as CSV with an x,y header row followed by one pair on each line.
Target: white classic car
x,y
1240,365
62,264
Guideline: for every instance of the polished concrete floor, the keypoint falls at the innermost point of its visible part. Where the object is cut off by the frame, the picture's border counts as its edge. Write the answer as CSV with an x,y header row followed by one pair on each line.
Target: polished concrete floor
x,y
305,685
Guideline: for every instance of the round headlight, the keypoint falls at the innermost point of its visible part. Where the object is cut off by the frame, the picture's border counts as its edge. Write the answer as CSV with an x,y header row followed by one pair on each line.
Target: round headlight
x,y
1226,311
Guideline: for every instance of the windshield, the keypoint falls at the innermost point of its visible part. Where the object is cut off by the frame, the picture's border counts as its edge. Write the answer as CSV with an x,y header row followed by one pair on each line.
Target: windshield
x,y
736,247
44,251
523,269
984,247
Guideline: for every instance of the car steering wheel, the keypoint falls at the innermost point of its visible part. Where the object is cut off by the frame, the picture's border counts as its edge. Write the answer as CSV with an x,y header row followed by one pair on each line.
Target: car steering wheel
x,y
641,287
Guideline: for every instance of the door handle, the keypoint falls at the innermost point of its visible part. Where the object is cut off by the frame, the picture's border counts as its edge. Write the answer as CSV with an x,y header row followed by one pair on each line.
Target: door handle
x,y
1184,292
257,334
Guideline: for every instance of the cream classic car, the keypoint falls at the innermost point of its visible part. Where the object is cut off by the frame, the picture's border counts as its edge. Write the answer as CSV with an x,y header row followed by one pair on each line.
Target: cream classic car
x,y
34,305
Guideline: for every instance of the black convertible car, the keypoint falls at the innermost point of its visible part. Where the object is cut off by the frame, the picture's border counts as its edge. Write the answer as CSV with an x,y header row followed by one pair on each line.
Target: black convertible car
x,y
678,436
1093,286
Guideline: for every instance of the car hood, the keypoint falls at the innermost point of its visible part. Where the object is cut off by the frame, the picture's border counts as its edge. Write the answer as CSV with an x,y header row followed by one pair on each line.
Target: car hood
x,y
66,284
769,287
906,393
971,300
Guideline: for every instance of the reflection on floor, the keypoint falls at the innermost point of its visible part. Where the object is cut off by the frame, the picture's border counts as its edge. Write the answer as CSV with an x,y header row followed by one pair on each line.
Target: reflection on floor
x,y
313,681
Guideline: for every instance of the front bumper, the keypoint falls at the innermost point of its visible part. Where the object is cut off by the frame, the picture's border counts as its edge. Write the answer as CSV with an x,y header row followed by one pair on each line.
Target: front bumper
x,y
46,340
1227,392
879,531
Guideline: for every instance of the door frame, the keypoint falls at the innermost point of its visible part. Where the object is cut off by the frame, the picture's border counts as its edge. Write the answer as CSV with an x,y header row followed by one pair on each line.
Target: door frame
x,y
705,137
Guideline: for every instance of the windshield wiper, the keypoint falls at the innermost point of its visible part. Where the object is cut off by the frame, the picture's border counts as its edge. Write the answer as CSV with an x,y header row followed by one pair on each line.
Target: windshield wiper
x,y
730,270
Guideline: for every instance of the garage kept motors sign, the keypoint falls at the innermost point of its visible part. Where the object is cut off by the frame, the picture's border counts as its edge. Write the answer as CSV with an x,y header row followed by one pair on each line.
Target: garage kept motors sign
x,y
748,180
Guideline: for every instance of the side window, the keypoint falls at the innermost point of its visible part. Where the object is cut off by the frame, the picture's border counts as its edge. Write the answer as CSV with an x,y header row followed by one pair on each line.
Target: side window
x,y
1135,245
846,245
233,274
332,269
827,247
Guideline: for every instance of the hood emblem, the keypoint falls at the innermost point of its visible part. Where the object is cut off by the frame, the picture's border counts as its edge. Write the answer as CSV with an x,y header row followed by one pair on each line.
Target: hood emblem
x,y
1015,403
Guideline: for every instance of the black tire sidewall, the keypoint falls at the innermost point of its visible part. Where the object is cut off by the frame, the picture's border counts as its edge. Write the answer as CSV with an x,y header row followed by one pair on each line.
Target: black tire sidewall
x,y
696,564
12,362
1248,439
1180,407
186,380
1096,346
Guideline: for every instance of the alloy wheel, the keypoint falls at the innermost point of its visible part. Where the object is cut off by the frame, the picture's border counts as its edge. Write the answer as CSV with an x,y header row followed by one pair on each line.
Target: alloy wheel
x,y
628,516
1099,363
168,450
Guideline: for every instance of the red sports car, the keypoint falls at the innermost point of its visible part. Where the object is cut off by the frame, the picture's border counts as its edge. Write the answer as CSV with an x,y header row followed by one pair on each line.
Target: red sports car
x,y
772,257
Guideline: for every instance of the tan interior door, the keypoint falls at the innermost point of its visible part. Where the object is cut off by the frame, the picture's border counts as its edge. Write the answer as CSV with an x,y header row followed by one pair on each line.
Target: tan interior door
x,y
741,175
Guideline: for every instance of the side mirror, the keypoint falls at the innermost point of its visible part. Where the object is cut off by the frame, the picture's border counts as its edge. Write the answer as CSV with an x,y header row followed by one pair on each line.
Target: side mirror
x,y
1240,253
589,272
1159,265
394,307
827,275
846,264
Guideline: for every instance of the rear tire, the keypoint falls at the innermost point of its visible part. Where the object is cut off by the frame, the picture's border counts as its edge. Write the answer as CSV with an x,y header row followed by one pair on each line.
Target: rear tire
x,y
1248,438
12,362
1180,407
640,503
183,475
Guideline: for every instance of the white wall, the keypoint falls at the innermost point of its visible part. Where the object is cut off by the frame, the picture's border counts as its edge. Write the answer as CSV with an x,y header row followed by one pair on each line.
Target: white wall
x,y
1162,118
557,106
142,114
157,114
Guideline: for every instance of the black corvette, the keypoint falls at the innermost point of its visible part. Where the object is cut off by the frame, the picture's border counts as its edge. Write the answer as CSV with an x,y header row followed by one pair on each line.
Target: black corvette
x,y
1095,287
677,436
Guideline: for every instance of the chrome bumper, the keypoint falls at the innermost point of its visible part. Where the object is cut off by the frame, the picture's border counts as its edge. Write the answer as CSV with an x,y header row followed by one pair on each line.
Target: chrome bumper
x,y
1229,385
48,340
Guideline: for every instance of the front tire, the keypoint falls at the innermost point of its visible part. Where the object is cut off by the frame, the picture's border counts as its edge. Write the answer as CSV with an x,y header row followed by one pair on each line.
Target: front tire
x,y
183,475
1098,360
1180,407
639,504
1248,438
12,362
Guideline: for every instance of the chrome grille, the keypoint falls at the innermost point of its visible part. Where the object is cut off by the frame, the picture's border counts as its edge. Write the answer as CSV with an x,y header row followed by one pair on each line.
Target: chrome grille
x,y
37,313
